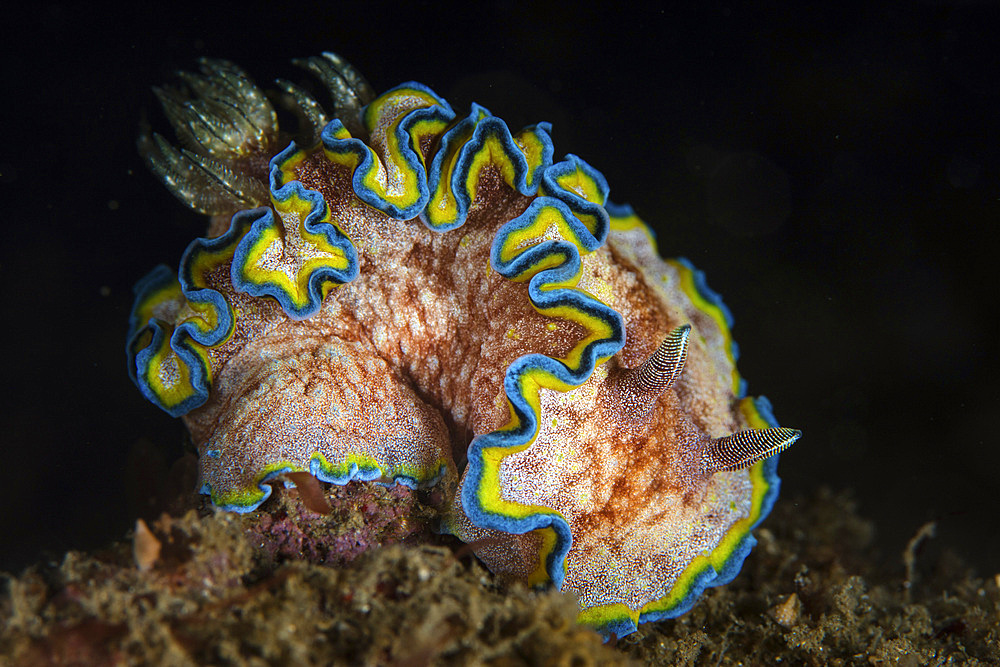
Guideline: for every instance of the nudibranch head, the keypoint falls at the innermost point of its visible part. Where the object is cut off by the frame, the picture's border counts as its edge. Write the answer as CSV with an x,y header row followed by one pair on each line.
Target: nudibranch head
x,y
406,295
643,517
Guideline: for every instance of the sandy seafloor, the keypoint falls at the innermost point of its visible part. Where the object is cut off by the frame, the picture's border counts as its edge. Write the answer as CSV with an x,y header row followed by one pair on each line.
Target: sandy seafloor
x,y
834,170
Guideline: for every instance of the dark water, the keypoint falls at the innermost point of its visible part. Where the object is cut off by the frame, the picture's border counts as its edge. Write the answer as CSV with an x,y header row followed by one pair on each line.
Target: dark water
x,y
834,172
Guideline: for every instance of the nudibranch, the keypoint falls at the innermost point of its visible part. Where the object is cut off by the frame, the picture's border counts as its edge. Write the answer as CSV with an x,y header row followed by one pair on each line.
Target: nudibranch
x,y
403,294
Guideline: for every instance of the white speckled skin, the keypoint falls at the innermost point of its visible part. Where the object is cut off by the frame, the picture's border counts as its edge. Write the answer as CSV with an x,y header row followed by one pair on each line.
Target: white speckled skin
x,y
405,364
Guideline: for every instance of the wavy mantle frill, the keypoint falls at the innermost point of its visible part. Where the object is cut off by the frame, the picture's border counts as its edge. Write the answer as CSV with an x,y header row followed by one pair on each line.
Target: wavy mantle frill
x,y
419,161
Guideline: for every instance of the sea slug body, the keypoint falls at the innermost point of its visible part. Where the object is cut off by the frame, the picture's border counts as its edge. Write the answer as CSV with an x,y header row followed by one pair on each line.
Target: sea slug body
x,y
407,295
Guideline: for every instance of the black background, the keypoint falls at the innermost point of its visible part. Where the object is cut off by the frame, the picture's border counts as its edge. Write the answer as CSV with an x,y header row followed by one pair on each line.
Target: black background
x,y
834,172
